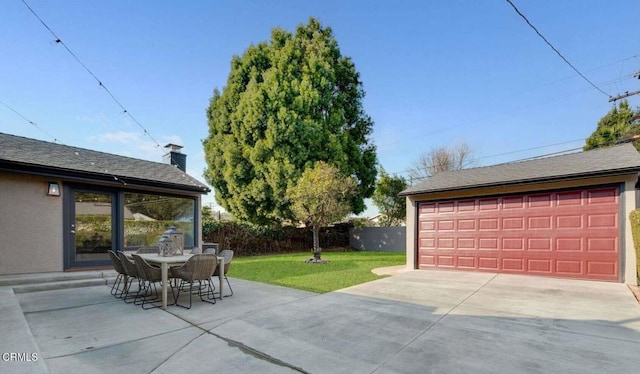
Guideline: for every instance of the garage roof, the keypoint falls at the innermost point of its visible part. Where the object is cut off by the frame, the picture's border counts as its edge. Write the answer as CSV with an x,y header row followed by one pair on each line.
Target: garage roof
x,y
616,160
27,155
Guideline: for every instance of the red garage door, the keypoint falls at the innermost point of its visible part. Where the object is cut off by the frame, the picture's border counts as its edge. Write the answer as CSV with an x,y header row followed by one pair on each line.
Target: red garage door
x,y
564,233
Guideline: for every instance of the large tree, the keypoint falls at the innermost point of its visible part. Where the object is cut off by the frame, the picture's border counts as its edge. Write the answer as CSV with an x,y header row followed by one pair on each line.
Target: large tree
x,y
288,103
392,207
320,197
440,159
615,126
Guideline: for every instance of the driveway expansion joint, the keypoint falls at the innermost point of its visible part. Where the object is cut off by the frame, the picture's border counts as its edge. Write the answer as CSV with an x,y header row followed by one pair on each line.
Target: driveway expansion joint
x,y
382,364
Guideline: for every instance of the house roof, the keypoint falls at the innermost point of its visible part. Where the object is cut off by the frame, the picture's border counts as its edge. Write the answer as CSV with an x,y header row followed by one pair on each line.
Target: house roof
x,y
616,160
45,158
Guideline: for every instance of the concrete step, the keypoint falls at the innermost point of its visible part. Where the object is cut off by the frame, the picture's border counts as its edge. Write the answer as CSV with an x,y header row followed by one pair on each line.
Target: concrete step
x,y
35,287
22,283
19,279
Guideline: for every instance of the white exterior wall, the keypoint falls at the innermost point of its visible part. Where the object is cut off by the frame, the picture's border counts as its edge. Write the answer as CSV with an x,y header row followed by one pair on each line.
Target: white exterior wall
x,y
30,225
412,234
627,198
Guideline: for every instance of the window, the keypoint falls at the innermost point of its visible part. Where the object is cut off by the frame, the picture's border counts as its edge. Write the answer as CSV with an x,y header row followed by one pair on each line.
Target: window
x,y
147,216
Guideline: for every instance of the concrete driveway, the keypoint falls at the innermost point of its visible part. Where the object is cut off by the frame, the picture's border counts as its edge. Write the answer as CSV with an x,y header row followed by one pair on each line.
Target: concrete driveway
x,y
414,322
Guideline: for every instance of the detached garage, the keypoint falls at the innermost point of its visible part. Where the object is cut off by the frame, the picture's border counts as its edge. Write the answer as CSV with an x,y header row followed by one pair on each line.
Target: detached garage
x,y
562,216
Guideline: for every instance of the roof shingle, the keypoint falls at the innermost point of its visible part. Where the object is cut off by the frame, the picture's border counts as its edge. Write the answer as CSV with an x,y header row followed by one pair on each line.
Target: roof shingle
x,y
614,160
27,152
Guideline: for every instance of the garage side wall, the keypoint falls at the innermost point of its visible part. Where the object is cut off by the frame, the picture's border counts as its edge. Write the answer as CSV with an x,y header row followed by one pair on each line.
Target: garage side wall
x,y
30,225
629,252
411,233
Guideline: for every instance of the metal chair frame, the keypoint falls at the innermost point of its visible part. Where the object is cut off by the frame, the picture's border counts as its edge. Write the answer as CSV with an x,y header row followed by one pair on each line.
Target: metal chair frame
x,y
228,257
117,265
149,276
197,269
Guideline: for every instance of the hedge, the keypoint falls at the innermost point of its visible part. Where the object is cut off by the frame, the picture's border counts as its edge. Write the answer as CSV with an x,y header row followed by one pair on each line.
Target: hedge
x,y
246,239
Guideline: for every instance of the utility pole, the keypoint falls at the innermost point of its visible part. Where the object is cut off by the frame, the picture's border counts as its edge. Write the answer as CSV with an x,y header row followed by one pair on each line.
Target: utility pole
x,y
626,94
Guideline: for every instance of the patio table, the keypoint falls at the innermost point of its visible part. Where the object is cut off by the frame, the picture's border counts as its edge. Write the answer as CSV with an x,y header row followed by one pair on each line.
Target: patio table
x,y
166,261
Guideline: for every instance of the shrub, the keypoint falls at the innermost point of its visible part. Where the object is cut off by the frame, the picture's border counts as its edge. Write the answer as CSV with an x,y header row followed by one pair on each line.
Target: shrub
x,y
634,218
246,239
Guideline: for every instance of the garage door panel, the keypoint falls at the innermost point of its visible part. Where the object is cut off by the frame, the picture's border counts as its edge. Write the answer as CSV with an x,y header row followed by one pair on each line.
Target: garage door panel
x,y
466,262
602,245
488,263
485,224
516,202
489,204
446,261
513,244
540,201
569,199
543,222
445,243
540,266
569,245
467,206
446,207
569,268
488,243
539,244
512,264
466,225
428,225
602,220
595,268
566,233
466,243
569,221
427,208
446,225
513,223
602,196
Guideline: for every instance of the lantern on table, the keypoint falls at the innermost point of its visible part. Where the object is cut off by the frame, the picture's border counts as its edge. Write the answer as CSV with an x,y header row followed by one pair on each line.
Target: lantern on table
x,y
177,240
164,246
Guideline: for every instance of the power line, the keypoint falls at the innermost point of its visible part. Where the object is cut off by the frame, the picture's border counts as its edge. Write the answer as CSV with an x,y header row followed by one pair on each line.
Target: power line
x,y
59,41
618,141
528,149
55,140
627,93
528,105
421,178
502,154
554,49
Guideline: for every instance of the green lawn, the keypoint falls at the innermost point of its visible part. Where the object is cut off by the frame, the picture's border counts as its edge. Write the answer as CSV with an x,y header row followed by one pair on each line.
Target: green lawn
x,y
344,269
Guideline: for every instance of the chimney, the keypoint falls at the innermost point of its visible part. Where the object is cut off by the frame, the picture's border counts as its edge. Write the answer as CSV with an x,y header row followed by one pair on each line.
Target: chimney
x,y
175,157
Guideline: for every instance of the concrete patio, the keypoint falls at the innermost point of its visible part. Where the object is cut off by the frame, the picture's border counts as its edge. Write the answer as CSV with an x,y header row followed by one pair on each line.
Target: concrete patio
x,y
412,322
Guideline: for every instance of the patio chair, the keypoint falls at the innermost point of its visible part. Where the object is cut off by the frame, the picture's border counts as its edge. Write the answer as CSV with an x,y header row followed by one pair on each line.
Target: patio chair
x,y
210,248
132,275
117,265
228,256
149,276
147,250
197,269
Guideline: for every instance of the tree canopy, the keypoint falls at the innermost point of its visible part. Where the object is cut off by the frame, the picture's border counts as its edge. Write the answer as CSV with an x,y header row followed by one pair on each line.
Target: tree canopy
x,y
440,159
616,125
288,103
320,197
392,207
159,207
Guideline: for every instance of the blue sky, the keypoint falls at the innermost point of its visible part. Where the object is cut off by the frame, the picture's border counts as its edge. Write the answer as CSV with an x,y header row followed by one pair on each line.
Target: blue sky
x,y
435,73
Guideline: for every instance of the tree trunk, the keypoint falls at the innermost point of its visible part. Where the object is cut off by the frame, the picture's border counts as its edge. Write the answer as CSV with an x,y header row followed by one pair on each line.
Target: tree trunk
x,y
316,242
